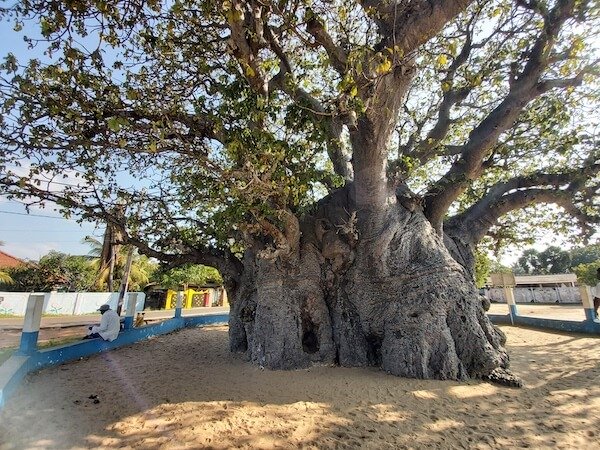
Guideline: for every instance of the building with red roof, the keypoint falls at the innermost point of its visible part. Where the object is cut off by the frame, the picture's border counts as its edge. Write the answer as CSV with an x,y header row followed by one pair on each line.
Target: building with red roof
x,y
7,260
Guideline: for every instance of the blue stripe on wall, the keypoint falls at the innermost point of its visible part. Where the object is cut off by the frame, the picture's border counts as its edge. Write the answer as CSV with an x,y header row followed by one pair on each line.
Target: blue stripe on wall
x,y
28,342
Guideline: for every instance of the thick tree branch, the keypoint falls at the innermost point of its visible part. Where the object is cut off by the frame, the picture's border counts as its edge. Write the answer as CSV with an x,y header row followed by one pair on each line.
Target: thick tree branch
x,y
562,189
403,28
524,87
228,265
407,25
226,262
329,121
338,57
246,26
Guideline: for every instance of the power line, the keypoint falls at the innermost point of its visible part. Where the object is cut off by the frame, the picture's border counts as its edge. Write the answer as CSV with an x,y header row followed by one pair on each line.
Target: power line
x,y
31,215
43,242
36,231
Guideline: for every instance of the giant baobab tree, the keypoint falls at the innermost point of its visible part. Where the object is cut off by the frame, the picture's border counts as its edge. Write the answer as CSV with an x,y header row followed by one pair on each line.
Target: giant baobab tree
x,y
338,162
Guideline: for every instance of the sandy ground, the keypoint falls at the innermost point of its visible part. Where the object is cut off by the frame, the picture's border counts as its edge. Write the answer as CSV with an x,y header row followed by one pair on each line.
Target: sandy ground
x,y
185,390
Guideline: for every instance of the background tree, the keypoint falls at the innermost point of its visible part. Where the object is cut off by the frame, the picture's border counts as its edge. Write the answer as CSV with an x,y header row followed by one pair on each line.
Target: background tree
x,y
585,255
54,271
549,261
420,127
193,274
586,273
142,268
4,275
528,262
553,259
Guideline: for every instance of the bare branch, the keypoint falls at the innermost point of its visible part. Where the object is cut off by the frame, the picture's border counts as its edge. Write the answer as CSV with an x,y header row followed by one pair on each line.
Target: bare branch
x,y
333,124
337,55
523,88
562,189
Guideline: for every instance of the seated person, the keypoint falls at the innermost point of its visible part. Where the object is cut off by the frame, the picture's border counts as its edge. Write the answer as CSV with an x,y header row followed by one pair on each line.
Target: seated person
x,y
109,327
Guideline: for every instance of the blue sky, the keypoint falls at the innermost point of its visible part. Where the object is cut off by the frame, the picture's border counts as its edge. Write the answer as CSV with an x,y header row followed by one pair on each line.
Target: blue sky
x,y
34,235
31,236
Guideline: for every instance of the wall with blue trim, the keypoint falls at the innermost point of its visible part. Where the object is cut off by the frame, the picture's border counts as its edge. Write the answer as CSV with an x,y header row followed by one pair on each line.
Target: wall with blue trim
x,y
585,326
15,369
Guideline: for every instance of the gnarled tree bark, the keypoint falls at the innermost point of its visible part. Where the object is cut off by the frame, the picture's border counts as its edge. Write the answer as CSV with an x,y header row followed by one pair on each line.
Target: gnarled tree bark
x,y
364,293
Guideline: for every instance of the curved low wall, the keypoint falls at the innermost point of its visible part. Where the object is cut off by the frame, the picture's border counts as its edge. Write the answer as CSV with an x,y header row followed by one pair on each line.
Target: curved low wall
x,y
14,370
71,303
584,326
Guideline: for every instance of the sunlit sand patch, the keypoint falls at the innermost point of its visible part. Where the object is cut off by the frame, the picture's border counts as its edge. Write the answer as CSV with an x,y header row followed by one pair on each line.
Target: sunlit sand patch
x,y
425,394
446,424
387,413
186,391
467,391
226,423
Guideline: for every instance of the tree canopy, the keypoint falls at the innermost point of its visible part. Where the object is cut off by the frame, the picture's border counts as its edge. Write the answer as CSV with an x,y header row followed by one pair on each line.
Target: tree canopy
x,y
189,274
54,271
554,260
227,120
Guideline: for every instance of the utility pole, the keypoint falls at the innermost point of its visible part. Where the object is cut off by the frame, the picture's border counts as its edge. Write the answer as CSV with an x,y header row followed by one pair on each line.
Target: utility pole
x,y
125,279
127,271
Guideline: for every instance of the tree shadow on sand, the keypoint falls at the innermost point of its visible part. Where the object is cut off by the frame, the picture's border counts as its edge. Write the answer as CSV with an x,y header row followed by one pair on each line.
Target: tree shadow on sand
x,y
186,389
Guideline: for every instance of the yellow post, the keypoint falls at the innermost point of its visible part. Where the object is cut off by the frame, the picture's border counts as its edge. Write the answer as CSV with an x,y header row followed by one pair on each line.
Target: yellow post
x,y
224,300
189,295
170,303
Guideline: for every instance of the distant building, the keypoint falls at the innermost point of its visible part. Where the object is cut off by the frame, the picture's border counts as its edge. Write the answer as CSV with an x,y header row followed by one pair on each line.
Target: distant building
x,y
556,280
557,288
522,281
7,260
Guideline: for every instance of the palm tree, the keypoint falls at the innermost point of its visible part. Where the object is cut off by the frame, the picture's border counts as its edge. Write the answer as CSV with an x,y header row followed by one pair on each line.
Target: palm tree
x,y
5,278
141,267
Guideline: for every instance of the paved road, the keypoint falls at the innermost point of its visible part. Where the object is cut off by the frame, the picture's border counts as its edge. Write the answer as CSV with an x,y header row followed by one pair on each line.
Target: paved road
x,y
63,327
16,323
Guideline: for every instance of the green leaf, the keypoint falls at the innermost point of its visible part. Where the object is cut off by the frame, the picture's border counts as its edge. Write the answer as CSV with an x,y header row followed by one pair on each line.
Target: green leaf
x,y
114,124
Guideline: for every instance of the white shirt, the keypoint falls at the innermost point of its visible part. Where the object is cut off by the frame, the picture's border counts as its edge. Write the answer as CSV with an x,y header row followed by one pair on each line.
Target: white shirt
x,y
109,327
596,290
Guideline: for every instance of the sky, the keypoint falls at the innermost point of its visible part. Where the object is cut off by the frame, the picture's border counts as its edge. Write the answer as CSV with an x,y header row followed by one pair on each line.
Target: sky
x,y
30,236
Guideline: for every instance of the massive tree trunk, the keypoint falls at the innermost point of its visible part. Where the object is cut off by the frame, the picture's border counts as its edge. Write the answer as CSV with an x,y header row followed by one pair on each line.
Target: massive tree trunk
x,y
365,288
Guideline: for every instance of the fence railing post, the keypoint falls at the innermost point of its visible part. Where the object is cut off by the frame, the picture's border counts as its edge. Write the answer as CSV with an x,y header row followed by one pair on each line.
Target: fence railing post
x,y
509,294
31,324
587,302
130,311
179,304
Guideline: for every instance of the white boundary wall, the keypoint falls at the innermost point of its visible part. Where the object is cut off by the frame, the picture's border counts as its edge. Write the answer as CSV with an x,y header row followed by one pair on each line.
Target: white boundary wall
x,y
568,295
15,303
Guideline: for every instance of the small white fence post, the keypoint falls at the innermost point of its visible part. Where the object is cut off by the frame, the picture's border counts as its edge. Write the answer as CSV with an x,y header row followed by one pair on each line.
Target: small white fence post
x,y
31,324
510,300
588,302
130,311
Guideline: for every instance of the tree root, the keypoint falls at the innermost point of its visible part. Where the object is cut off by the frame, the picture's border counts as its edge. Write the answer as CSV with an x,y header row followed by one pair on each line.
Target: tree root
x,y
504,377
